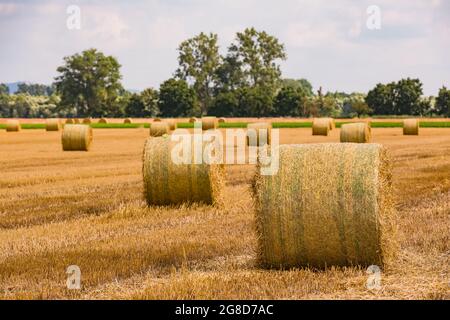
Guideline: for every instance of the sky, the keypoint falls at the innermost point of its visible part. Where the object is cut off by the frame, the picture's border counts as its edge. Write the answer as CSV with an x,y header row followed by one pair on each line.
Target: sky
x,y
327,42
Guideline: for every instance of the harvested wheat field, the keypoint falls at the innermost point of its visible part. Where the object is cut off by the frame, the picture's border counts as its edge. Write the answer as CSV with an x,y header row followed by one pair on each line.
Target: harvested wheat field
x,y
88,209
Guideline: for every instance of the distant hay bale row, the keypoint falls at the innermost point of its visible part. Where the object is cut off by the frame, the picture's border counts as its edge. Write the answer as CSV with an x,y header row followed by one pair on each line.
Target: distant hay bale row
x,y
53,125
221,120
158,129
258,134
321,126
87,121
13,126
72,121
411,127
76,137
356,132
166,182
103,120
127,120
209,123
328,205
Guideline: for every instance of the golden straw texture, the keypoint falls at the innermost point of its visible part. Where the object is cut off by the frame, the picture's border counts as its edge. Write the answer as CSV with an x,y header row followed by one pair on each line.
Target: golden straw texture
x,y
70,121
331,123
76,137
411,127
52,125
321,127
328,205
166,182
356,132
13,126
255,130
209,123
158,129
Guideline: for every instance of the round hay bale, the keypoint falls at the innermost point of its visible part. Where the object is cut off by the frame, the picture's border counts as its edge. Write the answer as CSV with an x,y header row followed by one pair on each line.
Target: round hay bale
x,y
158,129
328,205
76,137
209,123
127,120
156,119
332,123
411,127
166,182
172,124
76,121
320,127
193,120
102,120
356,132
13,126
52,125
257,130
69,121
221,120
87,121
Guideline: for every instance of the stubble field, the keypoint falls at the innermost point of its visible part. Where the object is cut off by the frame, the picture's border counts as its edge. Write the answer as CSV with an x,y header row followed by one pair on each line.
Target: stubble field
x,y
87,209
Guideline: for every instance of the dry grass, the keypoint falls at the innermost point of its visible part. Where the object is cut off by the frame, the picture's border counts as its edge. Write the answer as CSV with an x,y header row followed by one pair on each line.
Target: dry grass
x,y
58,209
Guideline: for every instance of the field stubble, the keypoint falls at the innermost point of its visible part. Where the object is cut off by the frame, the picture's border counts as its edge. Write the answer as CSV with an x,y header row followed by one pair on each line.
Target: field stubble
x,y
87,209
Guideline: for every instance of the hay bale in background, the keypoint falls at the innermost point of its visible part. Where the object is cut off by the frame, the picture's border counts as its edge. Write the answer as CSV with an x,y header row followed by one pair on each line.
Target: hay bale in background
x,y
127,120
156,120
168,183
320,127
87,121
13,126
328,205
76,121
411,127
52,125
172,124
254,130
331,123
209,123
193,120
158,129
69,121
356,132
102,120
76,137
221,120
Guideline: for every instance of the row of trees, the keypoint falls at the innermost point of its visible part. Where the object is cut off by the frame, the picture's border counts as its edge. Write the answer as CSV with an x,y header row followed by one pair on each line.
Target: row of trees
x,y
245,82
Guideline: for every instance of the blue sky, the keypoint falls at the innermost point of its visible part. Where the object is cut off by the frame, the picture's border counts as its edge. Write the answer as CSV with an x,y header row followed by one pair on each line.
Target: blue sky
x,y
327,42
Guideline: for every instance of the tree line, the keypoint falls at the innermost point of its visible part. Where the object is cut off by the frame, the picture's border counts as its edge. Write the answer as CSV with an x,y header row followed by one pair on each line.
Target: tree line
x,y
245,82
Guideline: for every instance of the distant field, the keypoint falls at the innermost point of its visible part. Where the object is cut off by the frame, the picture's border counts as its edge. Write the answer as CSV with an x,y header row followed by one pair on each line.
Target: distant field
x,y
297,124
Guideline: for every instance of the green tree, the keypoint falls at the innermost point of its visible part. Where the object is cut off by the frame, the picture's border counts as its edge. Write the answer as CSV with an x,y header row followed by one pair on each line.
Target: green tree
x,y
89,82
443,102
255,102
381,99
177,99
198,60
289,101
144,104
35,89
229,75
407,95
356,107
4,89
302,84
258,54
225,104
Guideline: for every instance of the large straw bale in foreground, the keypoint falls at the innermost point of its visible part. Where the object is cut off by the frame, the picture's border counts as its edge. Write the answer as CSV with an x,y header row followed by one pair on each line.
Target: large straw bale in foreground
x,y
158,129
209,123
411,127
356,132
257,130
321,127
168,183
328,205
76,137
52,125
13,126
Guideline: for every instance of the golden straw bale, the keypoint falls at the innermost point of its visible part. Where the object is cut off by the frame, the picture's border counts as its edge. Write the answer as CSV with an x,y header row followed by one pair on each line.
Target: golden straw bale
x,y
70,121
76,137
209,123
13,126
166,182
103,120
172,124
411,127
356,132
87,121
221,120
52,125
328,205
158,129
156,119
127,120
320,127
332,123
193,120
258,130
